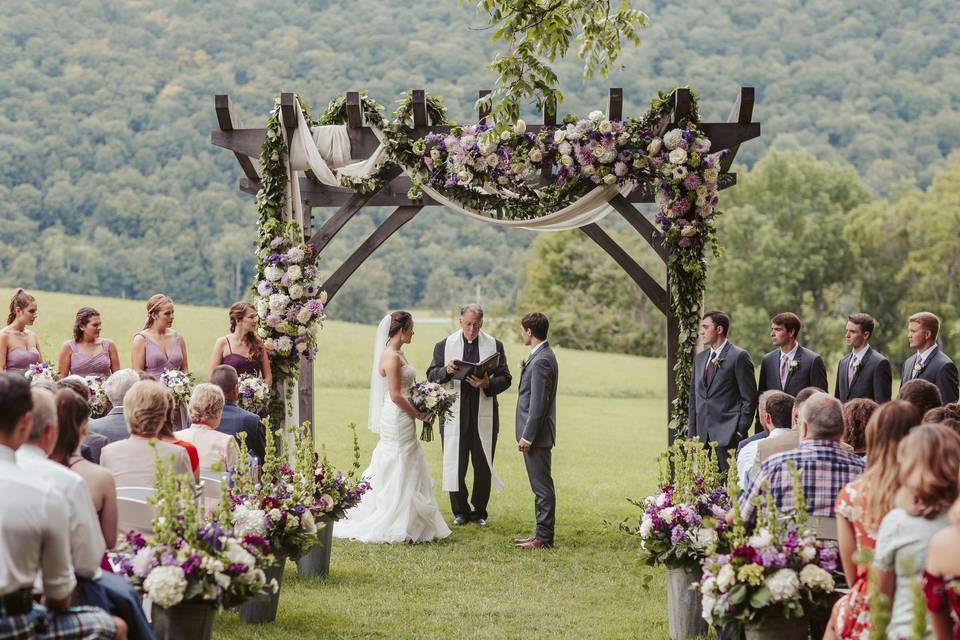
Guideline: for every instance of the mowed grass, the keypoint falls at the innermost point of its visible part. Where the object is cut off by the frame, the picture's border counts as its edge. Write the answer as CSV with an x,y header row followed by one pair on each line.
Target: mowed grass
x,y
610,417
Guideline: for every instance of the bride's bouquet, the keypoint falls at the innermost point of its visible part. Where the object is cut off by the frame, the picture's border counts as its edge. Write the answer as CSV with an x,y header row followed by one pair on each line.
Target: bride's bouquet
x,y
254,394
433,399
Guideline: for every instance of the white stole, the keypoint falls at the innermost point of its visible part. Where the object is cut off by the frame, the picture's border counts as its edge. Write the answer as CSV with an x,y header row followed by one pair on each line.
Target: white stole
x,y
453,350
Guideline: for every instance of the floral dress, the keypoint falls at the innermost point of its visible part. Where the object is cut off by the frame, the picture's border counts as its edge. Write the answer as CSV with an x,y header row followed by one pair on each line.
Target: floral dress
x,y
853,609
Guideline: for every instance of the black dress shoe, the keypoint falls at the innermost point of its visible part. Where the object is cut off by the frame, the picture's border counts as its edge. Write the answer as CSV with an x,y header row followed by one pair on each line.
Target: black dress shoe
x,y
460,521
481,522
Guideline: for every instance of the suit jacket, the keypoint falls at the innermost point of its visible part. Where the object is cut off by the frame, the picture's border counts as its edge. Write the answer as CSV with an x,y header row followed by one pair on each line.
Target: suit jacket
x,y
938,369
235,421
537,399
809,372
112,425
722,411
94,442
872,380
132,461
500,380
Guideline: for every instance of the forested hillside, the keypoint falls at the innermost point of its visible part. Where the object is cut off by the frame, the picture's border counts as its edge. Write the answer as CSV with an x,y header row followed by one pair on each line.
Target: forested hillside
x,y
109,185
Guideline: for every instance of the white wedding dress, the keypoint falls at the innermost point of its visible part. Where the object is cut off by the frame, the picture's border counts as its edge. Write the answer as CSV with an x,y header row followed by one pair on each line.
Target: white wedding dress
x,y
400,506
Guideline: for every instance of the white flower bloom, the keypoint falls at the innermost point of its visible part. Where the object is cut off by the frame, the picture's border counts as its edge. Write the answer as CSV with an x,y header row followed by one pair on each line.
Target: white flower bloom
x,y
808,553
520,127
707,603
504,136
294,272
646,526
701,145
278,302
166,585
783,585
295,254
673,139
678,156
272,273
595,116
620,169
492,160
566,160
654,147
605,126
323,297
661,499
296,292
762,538
667,514
688,232
284,345
814,577
535,155
559,135
301,347
726,578
222,580
308,523
711,176
248,521
465,177
703,538
564,148
303,316
588,170
609,179
142,561
236,554
467,141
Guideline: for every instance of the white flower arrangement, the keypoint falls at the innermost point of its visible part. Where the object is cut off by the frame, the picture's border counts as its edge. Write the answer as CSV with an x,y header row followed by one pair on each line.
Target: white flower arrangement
x,y
180,383
253,393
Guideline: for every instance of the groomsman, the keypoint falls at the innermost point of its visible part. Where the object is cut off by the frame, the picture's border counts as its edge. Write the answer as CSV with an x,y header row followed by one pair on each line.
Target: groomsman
x,y
929,362
864,372
723,393
790,367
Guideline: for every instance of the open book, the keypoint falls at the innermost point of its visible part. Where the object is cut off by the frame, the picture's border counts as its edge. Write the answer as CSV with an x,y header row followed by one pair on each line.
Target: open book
x,y
478,369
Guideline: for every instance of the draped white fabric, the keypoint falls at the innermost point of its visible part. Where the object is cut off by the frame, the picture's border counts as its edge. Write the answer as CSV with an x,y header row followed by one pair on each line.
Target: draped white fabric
x,y
325,151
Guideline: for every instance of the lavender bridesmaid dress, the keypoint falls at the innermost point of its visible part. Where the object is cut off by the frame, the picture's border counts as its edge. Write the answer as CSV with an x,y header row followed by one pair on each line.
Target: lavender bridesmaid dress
x,y
20,359
98,364
156,361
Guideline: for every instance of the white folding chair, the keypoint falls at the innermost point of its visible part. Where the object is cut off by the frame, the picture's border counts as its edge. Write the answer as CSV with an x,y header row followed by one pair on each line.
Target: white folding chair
x,y
137,493
134,514
825,527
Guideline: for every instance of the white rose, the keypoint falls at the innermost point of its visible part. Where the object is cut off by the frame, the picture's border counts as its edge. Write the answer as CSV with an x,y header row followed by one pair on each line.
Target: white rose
x,y
726,578
701,145
609,179
783,585
762,538
606,127
565,148
465,176
301,347
566,160
520,127
323,297
710,176
296,292
654,147
504,136
303,316
673,138
535,155
678,156
294,272
588,170
620,169
492,160
559,135
272,273
595,116
166,586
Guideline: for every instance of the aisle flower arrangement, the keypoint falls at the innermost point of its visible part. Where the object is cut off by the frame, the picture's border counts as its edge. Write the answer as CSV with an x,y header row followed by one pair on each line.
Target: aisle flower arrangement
x,y
781,571
253,393
332,492
97,395
179,382
189,559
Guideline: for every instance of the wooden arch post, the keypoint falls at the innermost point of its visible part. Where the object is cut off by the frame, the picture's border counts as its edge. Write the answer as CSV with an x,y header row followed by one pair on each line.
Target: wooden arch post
x,y
245,143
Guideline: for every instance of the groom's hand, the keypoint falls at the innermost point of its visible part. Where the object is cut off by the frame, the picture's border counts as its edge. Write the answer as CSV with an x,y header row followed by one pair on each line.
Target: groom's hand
x,y
479,383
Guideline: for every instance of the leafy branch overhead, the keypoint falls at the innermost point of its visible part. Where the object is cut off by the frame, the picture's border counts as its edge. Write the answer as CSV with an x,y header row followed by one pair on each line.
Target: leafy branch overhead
x,y
537,32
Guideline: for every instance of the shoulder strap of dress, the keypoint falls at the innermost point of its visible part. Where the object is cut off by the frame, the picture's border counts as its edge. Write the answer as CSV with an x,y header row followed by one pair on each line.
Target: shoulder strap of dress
x,y
73,345
229,346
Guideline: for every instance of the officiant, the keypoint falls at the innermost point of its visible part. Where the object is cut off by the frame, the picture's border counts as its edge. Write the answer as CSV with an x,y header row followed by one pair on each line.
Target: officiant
x,y
470,435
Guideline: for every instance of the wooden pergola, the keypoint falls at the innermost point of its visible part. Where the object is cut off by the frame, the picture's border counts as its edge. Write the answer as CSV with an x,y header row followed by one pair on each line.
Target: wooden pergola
x,y
245,143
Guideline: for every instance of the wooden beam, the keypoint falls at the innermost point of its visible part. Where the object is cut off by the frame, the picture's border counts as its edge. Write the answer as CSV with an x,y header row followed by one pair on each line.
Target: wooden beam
x,y
341,216
741,113
305,383
227,120
681,104
650,287
400,217
550,113
321,195
615,104
354,115
287,102
640,222
673,351
419,108
481,112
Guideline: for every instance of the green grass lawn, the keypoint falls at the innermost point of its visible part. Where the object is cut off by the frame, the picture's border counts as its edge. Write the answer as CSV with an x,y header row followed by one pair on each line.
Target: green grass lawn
x,y
475,584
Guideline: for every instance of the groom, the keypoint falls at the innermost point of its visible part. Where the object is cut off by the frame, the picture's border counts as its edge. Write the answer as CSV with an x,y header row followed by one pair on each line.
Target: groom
x,y
471,433
537,425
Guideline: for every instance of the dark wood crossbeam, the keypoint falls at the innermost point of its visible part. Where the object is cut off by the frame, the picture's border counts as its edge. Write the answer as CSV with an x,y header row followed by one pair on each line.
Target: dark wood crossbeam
x,y
650,287
228,121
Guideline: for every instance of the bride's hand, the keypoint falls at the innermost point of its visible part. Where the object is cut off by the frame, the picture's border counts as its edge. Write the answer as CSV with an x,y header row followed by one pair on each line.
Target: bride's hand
x,y
426,418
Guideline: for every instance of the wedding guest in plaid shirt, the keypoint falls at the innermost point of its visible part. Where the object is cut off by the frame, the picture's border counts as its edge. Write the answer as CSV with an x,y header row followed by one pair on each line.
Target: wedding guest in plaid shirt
x,y
825,466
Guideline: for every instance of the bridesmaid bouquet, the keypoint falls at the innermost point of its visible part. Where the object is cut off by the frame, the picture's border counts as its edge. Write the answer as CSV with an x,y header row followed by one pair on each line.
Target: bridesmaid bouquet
x,y
180,383
42,371
98,396
254,394
433,399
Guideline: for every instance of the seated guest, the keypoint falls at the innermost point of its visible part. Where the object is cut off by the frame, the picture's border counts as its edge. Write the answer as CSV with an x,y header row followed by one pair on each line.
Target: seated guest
x,y
856,414
166,434
112,425
72,414
35,534
776,408
217,450
145,408
787,441
947,415
940,579
825,466
235,420
921,394
93,443
861,505
929,463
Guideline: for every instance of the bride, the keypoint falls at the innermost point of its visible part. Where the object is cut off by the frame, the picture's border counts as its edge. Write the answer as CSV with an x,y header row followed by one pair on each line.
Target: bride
x,y
400,507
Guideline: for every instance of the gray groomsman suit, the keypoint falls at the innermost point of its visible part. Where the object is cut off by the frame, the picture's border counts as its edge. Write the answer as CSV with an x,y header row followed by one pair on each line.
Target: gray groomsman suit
x,y
808,372
722,411
537,424
872,379
938,369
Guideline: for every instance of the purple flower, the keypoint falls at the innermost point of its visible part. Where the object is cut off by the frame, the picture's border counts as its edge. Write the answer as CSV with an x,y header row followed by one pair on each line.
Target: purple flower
x,y
691,182
315,307
828,559
192,564
677,535
265,288
770,557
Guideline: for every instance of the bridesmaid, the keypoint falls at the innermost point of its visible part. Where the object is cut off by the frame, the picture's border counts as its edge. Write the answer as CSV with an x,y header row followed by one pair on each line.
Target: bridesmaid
x,y
158,347
88,354
19,347
241,348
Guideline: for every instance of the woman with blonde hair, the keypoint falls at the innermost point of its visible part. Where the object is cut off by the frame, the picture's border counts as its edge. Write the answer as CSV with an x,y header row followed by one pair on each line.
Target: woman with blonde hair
x,y
241,348
158,348
88,354
861,506
19,347
215,449
168,433
929,469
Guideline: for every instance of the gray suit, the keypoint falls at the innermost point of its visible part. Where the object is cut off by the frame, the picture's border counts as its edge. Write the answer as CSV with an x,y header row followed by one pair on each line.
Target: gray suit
x,y
112,425
938,369
722,411
808,371
537,424
872,380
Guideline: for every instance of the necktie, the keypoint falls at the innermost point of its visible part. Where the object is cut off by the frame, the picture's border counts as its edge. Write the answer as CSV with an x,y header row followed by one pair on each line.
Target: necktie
x,y
784,370
851,371
711,369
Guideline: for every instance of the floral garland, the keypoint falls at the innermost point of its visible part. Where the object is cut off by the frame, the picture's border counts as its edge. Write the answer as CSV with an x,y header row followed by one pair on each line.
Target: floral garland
x,y
500,175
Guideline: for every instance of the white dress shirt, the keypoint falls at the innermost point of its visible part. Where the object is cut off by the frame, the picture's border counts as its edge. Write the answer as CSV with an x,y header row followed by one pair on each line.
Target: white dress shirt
x,y
86,538
213,447
715,351
923,357
749,454
790,355
34,533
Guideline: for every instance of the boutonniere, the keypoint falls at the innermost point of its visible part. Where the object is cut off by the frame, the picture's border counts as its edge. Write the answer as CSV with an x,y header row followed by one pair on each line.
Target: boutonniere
x,y
917,367
523,365
794,365
856,366
717,362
